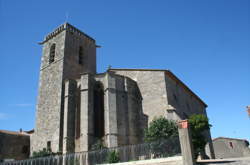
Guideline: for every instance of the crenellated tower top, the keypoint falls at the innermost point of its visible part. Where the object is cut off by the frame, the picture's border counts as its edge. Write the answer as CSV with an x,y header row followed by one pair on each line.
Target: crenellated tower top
x,y
68,27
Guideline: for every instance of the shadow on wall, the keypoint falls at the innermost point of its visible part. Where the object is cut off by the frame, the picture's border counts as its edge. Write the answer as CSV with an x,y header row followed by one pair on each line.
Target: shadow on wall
x,y
131,121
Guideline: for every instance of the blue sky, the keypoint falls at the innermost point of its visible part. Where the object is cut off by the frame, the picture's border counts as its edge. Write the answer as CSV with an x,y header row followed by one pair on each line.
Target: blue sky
x,y
204,42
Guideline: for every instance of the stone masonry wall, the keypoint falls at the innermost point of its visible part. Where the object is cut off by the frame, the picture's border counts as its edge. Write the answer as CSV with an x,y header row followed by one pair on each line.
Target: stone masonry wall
x,y
135,114
14,146
122,110
49,104
182,101
230,148
153,90
72,68
163,95
183,104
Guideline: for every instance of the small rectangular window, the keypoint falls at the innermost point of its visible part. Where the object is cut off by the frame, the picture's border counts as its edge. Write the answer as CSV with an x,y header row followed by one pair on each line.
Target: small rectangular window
x,y
80,55
175,98
49,145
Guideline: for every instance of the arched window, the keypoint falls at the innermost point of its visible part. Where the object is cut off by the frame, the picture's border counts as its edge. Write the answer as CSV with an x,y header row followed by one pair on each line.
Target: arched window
x,y
52,53
80,55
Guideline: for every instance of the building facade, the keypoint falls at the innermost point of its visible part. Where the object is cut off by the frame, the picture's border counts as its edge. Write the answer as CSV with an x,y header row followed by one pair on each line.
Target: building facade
x,y
14,145
225,147
77,107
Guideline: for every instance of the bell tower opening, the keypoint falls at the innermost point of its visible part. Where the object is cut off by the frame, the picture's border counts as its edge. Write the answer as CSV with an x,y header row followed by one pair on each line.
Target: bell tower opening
x,y
98,110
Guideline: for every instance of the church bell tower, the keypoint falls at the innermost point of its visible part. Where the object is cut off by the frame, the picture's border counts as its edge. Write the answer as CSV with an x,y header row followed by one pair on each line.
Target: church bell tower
x,y
67,53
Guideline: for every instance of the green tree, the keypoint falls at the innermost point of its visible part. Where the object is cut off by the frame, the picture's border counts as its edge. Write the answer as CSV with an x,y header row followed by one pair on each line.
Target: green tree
x,y
160,133
160,128
198,124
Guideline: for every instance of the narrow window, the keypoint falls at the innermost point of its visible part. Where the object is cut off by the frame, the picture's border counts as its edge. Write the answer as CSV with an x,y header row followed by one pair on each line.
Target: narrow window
x,y
98,110
80,55
175,98
52,53
49,145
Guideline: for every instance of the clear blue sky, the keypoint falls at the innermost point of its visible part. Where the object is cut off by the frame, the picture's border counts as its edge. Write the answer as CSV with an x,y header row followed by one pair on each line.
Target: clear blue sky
x,y
204,42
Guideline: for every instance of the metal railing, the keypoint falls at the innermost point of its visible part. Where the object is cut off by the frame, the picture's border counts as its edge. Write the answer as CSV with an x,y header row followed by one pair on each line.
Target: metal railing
x,y
158,149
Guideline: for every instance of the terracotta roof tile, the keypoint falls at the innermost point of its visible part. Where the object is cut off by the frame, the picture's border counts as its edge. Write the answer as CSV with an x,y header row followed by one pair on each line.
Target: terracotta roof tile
x,y
23,133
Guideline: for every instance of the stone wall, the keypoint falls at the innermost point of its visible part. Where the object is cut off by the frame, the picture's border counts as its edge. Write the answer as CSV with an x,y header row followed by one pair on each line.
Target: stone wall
x,y
124,99
123,116
183,102
50,104
230,148
152,87
128,110
72,69
69,126
14,145
163,94
48,111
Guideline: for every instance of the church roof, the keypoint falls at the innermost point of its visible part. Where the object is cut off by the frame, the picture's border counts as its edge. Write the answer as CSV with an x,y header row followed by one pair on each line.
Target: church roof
x,y
230,139
172,76
23,133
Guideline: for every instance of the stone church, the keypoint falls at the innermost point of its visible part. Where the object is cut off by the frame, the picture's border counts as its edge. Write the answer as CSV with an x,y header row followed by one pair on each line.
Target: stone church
x,y
77,106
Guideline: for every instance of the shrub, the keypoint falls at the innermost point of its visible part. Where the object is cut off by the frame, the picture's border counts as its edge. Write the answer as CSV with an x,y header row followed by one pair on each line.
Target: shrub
x,y
113,157
43,153
98,145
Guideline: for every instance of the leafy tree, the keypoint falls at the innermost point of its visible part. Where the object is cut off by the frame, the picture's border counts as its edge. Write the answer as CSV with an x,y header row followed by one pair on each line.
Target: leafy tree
x,y
160,133
161,128
198,124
